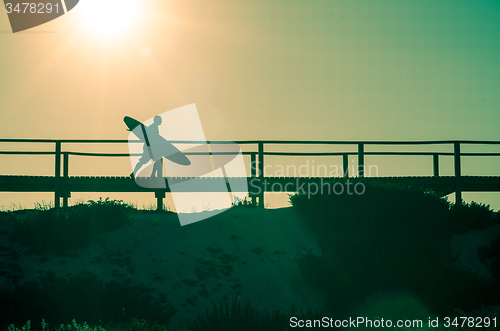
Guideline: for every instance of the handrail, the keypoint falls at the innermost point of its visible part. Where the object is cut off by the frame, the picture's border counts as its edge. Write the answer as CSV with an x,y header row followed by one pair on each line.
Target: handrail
x,y
293,142
250,153
120,141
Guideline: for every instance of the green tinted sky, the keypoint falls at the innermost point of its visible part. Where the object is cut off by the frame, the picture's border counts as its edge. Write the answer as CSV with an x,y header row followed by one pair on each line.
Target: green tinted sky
x,y
312,70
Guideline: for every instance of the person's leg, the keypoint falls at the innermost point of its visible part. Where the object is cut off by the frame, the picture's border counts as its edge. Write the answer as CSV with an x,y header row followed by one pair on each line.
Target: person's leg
x,y
138,166
142,161
157,169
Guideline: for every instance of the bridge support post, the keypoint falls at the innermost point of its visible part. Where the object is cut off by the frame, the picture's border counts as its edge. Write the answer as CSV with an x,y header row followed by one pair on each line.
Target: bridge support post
x,y
57,176
345,167
253,174
65,194
361,160
159,195
261,174
435,163
458,174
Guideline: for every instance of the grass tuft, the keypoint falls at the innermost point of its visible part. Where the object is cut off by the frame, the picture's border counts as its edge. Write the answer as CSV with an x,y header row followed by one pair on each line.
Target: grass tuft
x,y
75,227
243,316
246,202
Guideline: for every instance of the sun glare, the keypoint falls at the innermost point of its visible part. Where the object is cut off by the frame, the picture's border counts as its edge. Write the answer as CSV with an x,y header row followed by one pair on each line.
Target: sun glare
x,y
109,18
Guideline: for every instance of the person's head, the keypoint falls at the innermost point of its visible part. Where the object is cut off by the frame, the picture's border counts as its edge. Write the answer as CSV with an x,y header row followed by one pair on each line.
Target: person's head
x,y
157,120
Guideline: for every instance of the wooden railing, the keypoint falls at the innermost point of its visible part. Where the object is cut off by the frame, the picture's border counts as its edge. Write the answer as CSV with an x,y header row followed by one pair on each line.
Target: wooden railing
x,y
257,156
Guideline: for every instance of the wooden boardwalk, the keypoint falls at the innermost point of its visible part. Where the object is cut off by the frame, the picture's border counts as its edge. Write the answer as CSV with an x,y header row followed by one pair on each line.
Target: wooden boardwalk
x,y
62,184
444,185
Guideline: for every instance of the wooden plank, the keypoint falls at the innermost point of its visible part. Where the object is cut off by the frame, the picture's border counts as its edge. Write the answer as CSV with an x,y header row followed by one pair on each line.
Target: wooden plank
x,y
10,183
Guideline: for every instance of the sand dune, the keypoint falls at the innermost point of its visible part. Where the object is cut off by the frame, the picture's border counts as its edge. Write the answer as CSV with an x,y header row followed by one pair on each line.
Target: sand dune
x,y
246,252
241,251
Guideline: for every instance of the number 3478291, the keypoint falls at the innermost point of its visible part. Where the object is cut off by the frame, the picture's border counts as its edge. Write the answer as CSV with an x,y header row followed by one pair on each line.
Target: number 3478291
x,y
32,8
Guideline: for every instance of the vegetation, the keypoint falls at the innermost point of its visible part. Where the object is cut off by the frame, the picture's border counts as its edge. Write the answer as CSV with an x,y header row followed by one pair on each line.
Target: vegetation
x,y
237,316
490,254
60,230
473,216
385,253
85,298
247,202
133,325
392,239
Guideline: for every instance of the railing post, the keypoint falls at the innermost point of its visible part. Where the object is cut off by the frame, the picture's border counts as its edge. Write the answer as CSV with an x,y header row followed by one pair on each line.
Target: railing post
x,y
361,160
345,168
57,176
458,174
159,195
66,194
435,163
261,174
253,174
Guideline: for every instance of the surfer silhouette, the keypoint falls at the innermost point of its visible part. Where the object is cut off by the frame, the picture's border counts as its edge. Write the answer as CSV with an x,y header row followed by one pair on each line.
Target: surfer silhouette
x,y
155,146
152,137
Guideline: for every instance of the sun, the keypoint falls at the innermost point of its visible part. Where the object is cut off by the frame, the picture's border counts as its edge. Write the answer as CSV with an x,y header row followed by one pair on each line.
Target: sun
x,y
109,18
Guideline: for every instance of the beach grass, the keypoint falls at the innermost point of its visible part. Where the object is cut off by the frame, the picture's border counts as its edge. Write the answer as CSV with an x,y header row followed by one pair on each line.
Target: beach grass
x,y
50,230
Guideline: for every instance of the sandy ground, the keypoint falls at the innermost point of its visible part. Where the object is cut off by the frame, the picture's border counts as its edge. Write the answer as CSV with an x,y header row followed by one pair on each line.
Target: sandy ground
x,y
242,251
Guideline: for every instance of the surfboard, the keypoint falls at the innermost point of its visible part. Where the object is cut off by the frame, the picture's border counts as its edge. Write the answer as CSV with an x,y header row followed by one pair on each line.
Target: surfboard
x,y
131,123
168,150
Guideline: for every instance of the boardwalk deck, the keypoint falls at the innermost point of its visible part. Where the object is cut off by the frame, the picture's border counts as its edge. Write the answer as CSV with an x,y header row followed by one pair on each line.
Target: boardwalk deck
x,y
444,184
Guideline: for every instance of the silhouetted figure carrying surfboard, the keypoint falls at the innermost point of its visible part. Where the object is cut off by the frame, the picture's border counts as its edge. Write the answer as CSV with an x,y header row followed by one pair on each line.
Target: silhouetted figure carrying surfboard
x,y
151,137
155,146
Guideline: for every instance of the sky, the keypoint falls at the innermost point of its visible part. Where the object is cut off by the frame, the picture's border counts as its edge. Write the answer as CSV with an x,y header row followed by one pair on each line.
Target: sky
x,y
256,70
